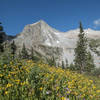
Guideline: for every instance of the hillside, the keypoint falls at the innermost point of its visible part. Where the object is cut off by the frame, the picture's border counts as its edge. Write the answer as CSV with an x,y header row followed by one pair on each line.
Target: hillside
x,y
24,79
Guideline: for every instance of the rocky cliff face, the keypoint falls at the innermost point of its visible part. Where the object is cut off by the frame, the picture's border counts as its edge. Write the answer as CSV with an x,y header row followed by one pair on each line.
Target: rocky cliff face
x,y
50,42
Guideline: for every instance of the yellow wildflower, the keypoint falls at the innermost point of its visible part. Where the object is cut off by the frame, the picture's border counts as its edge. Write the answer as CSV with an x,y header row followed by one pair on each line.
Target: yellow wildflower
x,y
6,92
18,81
1,75
41,88
9,85
98,91
94,87
63,98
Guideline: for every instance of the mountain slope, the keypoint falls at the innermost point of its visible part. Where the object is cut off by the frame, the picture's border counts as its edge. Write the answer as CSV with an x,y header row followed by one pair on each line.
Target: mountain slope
x,y
38,33
49,42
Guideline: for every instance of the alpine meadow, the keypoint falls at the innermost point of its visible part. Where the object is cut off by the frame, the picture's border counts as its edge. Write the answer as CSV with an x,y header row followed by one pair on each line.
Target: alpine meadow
x,y
50,50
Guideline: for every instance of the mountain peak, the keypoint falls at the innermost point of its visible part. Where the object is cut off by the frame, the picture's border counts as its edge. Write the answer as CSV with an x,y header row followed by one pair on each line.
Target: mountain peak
x,y
39,22
41,36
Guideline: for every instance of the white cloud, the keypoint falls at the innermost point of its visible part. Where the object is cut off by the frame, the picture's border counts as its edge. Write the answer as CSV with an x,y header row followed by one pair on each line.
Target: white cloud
x,y
97,22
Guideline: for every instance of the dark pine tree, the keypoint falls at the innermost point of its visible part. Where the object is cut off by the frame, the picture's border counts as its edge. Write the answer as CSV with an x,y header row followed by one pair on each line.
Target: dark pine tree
x,y
24,53
66,63
32,54
19,54
1,38
72,67
63,65
51,61
80,51
90,66
13,48
1,28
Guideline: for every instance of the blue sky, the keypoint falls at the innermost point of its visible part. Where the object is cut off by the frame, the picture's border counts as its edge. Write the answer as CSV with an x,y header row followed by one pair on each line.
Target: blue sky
x,y
63,15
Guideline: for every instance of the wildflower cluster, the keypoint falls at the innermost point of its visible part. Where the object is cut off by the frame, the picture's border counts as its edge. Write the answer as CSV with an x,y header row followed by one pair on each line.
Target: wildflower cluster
x,y
24,79
52,83
14,80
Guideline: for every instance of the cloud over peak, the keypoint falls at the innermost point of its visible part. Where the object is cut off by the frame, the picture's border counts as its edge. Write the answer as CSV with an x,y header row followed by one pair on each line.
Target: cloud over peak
x,y
97,22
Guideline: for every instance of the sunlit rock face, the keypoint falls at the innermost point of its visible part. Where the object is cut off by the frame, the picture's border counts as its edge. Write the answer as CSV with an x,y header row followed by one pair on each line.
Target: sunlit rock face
x,y
50,42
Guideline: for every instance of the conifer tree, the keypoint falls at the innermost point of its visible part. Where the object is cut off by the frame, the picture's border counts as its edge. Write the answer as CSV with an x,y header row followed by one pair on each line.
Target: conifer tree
x,y
24,52
32,54
51,61
1,28
90,63
19,54
1,39
13,48
72,67
63,65
66,63
58,64
80,51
